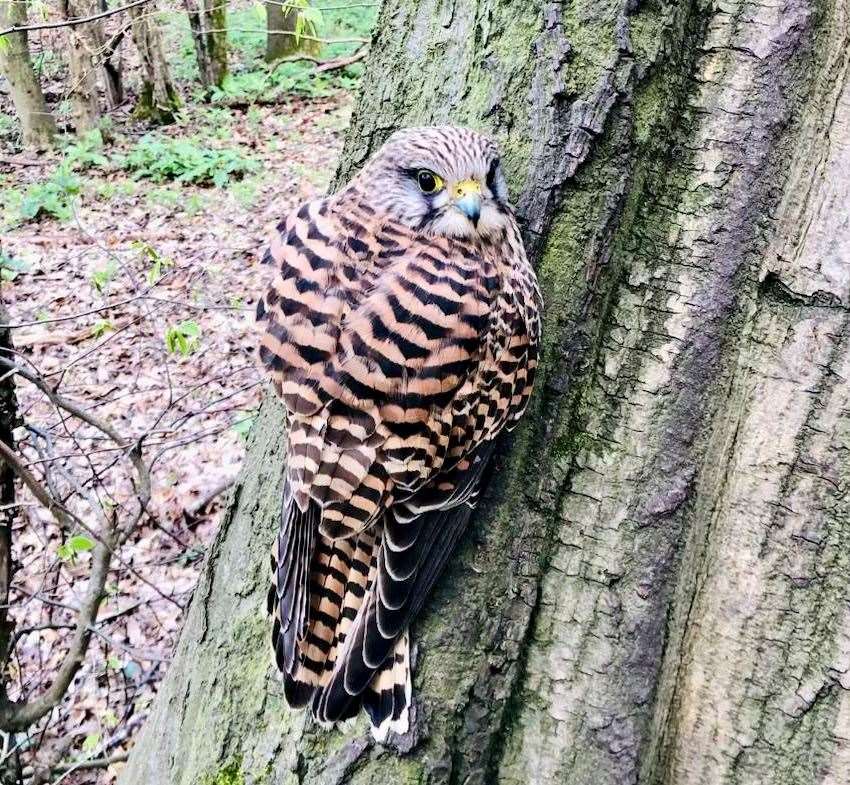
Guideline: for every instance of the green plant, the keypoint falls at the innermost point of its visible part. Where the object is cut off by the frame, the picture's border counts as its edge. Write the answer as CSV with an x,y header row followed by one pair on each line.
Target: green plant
x,y
186,161
102,277
101,327
183,338
158,263
52,197
246,85
73,547
11,268
309,20
219,121
90,743
85,152
246,192
10,127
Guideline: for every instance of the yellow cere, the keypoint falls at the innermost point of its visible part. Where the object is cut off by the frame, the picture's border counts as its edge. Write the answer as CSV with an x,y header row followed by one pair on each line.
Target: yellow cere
x,y
467,188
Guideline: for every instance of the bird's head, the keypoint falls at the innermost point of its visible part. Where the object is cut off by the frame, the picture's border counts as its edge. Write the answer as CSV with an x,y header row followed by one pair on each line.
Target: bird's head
x,y
440,180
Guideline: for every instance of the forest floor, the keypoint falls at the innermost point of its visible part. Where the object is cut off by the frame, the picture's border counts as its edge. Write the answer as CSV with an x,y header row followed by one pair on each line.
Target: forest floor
x,y
130,272
95,298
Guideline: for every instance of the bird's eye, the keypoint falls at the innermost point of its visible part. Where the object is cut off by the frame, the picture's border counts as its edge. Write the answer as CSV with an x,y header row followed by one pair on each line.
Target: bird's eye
x,y
429,183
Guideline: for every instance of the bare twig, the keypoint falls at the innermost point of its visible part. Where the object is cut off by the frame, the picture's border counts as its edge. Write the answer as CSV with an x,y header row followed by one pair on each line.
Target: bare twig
x,y
342,62
92,763
71,22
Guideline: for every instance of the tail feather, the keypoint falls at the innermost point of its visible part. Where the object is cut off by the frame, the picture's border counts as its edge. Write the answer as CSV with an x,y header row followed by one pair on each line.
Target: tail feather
x,y
387,698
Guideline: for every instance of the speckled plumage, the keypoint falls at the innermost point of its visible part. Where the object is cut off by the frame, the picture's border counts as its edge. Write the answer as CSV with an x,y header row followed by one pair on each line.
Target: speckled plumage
x,y
402,337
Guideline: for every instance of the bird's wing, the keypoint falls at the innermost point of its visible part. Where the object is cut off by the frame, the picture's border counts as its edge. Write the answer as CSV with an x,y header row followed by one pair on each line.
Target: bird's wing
x,y
373,338
411,550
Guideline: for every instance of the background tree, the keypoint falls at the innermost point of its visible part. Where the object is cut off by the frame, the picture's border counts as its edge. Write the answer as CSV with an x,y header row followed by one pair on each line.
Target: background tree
x,y
158,98
82,45
287,24
132,361
37,124
208,21
656,587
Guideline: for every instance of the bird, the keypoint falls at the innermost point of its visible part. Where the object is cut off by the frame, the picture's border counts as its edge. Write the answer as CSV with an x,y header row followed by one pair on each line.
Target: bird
x,y
401,330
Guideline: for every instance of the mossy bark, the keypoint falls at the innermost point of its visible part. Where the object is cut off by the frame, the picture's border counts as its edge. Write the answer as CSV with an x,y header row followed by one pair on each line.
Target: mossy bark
x,y
655,588
37,126
158,98
208,22
281,24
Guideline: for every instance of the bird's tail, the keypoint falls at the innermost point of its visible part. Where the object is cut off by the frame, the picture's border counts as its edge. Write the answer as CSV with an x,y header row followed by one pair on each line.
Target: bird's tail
x,y
307,646
343,606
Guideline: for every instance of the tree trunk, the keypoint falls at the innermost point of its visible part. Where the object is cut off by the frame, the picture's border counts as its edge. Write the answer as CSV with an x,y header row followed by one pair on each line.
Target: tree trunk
x,y
37,126
281,21
82,73
655,589
208,22
158,98
113,81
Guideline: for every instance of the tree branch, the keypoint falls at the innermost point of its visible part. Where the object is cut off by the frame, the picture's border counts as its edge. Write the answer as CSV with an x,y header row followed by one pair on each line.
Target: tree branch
x,y
71,22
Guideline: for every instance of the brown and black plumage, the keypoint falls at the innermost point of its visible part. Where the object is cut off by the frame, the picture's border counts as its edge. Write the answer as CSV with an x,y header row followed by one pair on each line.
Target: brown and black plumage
x,y
401,331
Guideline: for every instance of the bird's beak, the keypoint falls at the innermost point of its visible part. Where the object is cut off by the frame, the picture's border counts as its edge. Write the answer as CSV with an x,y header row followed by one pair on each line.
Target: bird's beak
x,y
467,199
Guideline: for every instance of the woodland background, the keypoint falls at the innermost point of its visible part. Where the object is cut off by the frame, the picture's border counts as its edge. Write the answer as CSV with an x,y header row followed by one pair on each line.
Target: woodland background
x,y
162,143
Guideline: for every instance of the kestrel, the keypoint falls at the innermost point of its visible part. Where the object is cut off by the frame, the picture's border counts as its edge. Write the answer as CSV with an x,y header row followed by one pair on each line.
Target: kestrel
x,y
401,331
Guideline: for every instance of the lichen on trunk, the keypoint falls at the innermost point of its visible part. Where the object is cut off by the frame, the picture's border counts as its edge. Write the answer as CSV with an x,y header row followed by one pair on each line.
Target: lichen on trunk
x,y
654,588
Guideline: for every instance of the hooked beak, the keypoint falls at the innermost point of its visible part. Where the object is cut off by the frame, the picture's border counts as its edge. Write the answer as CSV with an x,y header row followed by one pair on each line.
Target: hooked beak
x,y
467,199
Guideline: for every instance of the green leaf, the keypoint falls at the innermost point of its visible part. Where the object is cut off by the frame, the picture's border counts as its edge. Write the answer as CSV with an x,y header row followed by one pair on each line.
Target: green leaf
x,y
183,338
91,742
100,279
11,268
79,543
101,327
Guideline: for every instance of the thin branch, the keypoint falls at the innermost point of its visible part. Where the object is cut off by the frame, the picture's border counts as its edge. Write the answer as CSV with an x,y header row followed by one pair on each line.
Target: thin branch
x,y
71,22
93,763
131,450
61,513
342,62
19,715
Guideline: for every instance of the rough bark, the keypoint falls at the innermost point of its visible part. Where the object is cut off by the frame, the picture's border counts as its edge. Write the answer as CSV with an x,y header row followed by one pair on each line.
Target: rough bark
x,y
208,22
655,590
281,22
110,58
82,42
158,97
37,126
